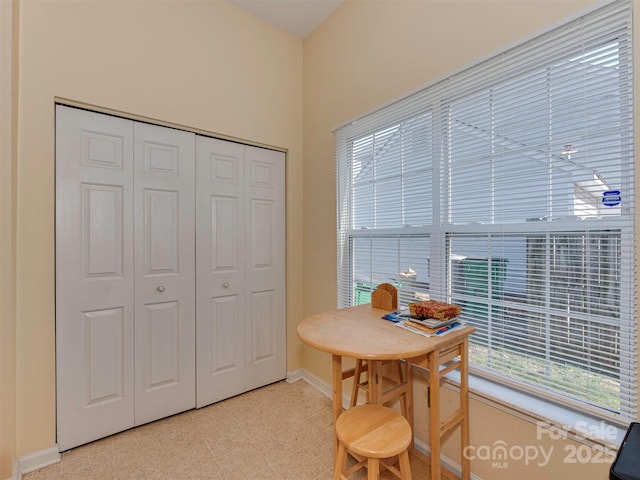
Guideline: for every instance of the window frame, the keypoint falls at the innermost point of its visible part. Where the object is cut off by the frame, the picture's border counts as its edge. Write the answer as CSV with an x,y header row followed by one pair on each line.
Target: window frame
x,y
432,100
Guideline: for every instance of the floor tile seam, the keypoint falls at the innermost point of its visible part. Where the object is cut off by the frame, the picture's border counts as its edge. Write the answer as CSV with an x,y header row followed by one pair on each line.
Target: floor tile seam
x,y
281,474
250,475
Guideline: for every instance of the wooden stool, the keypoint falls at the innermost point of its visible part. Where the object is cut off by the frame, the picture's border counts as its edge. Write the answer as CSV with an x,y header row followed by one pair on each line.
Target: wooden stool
x,y
373,433
399,387
384,297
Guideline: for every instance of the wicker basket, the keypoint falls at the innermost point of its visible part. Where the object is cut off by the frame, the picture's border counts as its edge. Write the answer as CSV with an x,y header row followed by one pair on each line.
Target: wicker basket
x,y
434,309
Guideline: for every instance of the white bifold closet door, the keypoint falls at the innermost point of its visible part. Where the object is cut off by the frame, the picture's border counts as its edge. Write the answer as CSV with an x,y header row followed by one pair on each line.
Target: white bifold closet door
x,y
240,268
144,214
125,274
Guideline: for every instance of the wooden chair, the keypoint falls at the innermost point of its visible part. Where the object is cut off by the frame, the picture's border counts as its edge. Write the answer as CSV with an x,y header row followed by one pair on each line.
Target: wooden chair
x,y
385,297
373,433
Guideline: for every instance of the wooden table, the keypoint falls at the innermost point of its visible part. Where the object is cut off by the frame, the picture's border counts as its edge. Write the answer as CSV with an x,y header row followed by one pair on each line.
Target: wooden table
x,y
360,332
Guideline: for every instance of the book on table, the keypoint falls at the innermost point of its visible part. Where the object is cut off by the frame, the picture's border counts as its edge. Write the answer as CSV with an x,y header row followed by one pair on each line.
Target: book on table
x,y
431,322
429,332
435,323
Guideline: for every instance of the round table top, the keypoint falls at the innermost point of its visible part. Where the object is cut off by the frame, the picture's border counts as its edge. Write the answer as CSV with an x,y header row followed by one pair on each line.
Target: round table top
x,y
361,332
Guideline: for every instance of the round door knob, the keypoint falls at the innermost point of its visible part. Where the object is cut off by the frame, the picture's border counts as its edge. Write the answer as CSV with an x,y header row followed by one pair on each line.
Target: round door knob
x,y
225,284
161,288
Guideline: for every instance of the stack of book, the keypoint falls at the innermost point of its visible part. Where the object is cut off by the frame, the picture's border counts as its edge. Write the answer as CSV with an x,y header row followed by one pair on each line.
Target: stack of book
x,y
417,322
429,326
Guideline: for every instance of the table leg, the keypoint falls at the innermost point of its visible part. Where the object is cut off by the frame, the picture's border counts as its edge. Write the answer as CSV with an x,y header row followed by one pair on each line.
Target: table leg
x,y
460,418
374,376
409,399
464,405
337,393
434,413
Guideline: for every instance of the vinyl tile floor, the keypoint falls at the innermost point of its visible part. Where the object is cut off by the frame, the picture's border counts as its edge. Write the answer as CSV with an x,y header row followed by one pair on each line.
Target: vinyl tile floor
x,y
282,432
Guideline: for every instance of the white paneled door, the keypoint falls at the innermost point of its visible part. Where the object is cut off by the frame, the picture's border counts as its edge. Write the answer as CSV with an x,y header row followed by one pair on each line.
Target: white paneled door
x,y
125,274
94,276
220,304
170,272
240,263
164,252
265,266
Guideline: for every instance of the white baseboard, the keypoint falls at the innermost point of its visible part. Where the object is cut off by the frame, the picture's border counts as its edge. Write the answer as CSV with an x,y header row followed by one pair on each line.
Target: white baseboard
x,y
35,461
317,383
294,376
422,447
323,387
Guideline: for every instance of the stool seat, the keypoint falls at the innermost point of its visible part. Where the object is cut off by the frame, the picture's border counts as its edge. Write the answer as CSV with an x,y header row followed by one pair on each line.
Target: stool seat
x,y
373,432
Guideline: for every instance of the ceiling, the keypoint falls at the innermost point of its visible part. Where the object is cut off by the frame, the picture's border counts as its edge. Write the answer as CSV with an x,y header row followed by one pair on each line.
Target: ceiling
x,y
298,17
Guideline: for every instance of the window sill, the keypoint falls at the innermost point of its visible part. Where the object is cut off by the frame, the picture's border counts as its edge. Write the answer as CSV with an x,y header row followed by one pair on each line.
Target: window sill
x,y
556,420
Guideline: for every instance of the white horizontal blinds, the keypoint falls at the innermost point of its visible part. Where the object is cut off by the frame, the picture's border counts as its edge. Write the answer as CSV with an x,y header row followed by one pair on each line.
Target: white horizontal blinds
x,y
549,144
343,228
391,173
516,177
384,184
548,309
556,130
400,260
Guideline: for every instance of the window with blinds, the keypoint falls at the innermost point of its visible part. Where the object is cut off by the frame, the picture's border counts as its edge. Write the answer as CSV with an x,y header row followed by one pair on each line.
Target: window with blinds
x,y
507,188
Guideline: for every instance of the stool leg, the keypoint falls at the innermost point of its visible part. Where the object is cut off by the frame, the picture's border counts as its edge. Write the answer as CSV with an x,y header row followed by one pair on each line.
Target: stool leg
x,y
409,400
373,469
340,462
405,468
403,397
357,373
400,373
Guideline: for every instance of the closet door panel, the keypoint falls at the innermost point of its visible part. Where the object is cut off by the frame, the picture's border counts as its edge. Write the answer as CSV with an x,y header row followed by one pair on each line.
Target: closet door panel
x,y
262,322
225,232
104,352
161,233
94,276
226,332
165,272
102,228
220,263
265,272
162,325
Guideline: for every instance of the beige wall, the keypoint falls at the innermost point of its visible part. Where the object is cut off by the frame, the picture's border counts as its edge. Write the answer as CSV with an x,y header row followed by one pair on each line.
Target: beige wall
x,y
8,118
368,53
209,66
203,65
